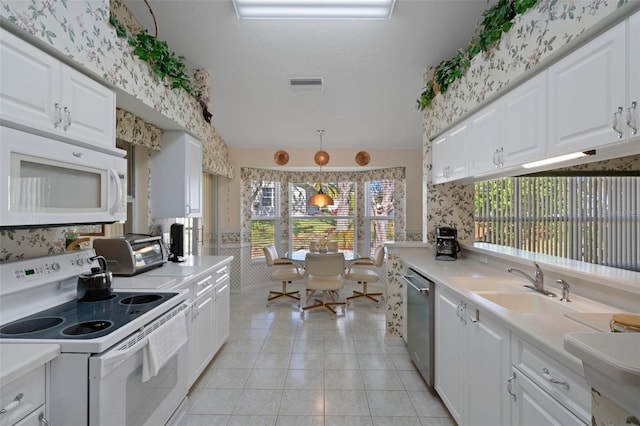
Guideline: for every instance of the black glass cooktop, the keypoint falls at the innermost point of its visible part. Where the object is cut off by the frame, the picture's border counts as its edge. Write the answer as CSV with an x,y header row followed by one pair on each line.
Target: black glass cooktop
x,y
84,319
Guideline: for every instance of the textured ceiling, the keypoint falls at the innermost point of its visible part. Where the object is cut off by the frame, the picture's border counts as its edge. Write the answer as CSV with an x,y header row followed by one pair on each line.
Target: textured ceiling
x,y
372,70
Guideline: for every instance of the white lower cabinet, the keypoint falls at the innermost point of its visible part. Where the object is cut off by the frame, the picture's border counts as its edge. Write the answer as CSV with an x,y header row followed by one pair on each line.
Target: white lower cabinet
x,y
535,407
202,333
544,392
36,418
23,400
210,317
221,317
472,362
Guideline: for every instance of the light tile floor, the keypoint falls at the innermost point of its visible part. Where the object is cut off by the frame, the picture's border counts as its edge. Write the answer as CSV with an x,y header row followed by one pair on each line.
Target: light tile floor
x,y
278,368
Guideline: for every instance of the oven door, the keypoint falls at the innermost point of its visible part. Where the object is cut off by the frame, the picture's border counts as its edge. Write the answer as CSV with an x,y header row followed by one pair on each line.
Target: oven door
x,y
117,394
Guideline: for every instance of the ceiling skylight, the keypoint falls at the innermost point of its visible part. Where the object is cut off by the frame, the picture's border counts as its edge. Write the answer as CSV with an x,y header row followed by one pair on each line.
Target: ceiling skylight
x,y
314,9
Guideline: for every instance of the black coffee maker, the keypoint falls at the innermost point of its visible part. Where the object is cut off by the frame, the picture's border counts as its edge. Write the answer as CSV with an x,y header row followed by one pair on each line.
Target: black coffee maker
x,y
176,246
447,247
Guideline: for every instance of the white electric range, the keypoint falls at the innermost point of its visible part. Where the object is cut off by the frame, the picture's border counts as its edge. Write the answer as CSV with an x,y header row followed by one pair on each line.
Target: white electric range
x,y
97,379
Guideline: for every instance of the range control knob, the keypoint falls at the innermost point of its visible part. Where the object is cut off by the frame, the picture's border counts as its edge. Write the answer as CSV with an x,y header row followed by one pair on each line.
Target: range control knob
x,y
80,261
55,266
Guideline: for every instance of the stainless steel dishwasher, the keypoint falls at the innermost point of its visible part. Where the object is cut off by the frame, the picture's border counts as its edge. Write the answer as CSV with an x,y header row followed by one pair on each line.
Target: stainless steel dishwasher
x,y
420,322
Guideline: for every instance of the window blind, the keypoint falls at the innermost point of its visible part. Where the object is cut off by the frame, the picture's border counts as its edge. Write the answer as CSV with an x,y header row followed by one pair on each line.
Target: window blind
x,y
593,219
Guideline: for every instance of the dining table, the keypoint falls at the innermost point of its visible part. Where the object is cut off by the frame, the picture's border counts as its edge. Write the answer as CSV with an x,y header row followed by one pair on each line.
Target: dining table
x,y
301,255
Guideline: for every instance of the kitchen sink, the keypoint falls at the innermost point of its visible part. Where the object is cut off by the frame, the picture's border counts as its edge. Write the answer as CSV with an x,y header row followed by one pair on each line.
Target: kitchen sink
x,y
528,303
478,284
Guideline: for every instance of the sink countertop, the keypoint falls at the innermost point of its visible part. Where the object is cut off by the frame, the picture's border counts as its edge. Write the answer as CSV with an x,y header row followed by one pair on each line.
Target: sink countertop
x,y
543,331
18,359
171,275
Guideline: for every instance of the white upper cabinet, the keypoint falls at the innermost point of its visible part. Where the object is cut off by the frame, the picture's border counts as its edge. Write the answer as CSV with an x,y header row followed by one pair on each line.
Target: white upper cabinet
x,y
40,94
484,139
509,131
586,89
523,133
449,161
89,109
29,86
176,177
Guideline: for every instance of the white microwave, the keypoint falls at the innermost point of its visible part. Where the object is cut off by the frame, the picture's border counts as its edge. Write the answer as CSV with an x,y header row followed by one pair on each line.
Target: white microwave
x,y
47,182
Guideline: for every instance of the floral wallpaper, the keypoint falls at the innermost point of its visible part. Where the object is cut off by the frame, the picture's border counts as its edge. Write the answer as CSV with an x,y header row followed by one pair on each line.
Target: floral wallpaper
x,y
131,128
536,36
394,319
80,30
248,174
19,244
605,412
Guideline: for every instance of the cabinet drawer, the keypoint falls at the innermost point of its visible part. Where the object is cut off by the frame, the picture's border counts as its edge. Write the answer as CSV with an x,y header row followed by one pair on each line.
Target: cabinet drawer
x,y
567,387
28,390
36,418
221,273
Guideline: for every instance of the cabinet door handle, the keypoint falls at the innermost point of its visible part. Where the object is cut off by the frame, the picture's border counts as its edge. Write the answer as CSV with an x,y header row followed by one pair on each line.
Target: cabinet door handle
x,y
67,115
631,118
501,156
57,115
551,379
42,419
495,158
509,386
615,120
13,404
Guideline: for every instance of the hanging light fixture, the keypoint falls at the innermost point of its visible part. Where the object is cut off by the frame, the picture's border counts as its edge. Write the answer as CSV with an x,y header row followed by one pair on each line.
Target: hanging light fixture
x,y
321,158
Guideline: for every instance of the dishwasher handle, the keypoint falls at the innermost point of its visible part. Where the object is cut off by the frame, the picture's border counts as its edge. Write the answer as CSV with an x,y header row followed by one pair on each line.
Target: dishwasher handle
x,y
421,290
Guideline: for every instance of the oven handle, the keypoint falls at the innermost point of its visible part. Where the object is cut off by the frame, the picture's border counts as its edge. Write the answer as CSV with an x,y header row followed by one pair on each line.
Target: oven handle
x,y
136,342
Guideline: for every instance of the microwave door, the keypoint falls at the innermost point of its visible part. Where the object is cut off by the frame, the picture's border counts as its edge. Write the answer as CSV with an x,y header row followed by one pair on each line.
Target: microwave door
x,y
46,182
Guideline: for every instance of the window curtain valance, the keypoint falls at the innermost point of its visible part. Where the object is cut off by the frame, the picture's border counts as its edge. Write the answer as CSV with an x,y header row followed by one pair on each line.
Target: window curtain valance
x,y
131,128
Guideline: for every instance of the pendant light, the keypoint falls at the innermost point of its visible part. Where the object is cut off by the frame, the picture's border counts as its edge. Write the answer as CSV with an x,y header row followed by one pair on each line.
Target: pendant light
x,y
321,158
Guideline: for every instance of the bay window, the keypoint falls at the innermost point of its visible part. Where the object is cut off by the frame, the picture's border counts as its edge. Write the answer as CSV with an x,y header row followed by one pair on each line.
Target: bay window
x,y
336,222
264,212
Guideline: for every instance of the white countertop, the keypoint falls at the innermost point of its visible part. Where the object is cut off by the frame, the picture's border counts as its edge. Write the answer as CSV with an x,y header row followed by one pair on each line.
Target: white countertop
x,y
172,274
611,364
17,359
546,332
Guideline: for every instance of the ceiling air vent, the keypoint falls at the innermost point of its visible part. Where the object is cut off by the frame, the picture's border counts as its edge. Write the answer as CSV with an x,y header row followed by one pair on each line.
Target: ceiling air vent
x,y
305,83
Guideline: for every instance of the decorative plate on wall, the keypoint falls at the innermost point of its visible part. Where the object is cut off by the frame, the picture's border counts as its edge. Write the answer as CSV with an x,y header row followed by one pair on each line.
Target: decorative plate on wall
x,y
281,158
363,158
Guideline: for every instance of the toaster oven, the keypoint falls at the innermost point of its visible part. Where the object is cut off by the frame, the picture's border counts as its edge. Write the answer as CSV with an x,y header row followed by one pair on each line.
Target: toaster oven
x,y
131,254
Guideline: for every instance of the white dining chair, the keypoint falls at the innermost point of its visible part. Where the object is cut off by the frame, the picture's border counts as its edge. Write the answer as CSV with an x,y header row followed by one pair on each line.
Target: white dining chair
x,y
283,275
361,272
324,273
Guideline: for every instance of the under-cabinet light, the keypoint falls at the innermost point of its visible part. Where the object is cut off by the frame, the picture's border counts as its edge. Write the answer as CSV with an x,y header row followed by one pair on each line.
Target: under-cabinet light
x,y
558,159
313,9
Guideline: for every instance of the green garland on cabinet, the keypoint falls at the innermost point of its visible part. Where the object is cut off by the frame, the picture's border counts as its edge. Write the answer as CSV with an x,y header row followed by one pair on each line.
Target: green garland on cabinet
x,y
156,53
496,20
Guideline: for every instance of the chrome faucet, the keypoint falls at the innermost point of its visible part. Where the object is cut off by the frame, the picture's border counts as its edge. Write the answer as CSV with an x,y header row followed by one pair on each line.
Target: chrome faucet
x,y
537,281
565,290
